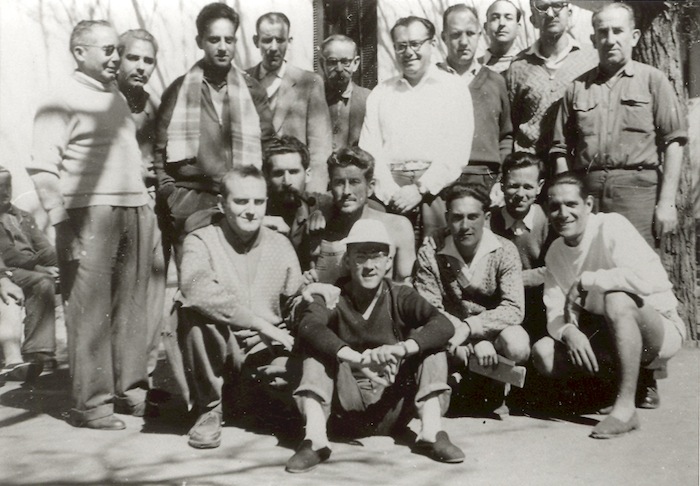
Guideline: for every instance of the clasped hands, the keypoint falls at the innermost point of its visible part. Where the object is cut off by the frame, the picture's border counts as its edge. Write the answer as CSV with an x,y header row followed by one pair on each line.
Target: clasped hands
x,y
381,364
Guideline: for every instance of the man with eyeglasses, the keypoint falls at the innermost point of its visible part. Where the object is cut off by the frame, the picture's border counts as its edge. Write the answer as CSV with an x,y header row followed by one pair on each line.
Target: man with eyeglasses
x,y
346,100
538,77
86,166
502,27
374,360
236,275
296,96
419,128
493,134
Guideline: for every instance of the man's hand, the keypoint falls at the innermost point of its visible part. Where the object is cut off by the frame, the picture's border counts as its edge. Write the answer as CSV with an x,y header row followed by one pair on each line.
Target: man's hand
x,y
52,271
310,276
579,349
485,353
406,198
665,219
277,223
461,334
330,293
317,221
277,334
9,291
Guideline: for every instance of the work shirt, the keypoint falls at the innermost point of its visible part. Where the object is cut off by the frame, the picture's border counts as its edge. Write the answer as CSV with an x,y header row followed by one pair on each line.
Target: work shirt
x,y
431,122
620,121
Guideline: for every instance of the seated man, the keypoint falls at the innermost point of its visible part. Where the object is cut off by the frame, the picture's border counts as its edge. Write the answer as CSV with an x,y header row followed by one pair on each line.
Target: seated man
x,y
523,222
604,280
235,276
475,278
379,349
33,264
351,173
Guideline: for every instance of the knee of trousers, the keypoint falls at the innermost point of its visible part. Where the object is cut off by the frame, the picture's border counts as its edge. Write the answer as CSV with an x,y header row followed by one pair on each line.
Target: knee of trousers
x,y
543,355
514,343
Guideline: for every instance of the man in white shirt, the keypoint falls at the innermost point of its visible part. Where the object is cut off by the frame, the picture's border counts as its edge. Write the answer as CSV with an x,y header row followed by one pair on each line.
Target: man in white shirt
x,y
502,27
606,292
418,126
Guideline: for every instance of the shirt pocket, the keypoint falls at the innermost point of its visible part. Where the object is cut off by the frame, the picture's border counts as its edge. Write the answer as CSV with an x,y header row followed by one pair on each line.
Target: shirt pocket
x,y
637,115
586,115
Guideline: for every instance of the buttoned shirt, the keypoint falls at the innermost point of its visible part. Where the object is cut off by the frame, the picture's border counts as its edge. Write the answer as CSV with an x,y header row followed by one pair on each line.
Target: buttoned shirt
x,y
339,108
518,226
618,121
271,81
535,88
431,122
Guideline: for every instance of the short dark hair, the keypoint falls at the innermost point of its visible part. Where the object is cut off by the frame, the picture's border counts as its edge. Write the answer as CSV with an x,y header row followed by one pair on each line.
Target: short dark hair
x,y
521,160
215,11
273,17
241,171
406,21
136,34
285,144
354,155
570,178
518,12
459,191
459,7
83,28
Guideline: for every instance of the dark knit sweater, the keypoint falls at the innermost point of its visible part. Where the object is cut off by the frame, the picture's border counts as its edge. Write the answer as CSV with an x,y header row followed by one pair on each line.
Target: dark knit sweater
x,y
399,314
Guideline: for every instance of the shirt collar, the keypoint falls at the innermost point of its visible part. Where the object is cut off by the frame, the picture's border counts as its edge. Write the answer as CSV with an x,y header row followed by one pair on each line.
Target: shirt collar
x,y
527,221
239,246
488,244
92,82
629,70
279,72
512,52
469,73
430,76
572,45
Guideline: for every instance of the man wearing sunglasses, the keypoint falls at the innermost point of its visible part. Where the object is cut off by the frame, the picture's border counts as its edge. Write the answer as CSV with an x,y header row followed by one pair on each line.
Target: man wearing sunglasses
x,y
346,100
86,166
418,127
538,77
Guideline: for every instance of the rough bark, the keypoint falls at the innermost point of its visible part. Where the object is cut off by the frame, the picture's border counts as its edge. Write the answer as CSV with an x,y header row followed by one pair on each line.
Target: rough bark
x,y
661,44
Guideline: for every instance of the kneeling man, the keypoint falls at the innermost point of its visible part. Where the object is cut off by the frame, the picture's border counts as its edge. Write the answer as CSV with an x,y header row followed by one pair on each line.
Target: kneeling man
x,y
234,278
606,293
379,350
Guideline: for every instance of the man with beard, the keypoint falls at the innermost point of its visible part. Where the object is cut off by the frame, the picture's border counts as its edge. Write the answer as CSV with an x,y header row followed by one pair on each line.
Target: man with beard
x,y
295,96
212,119
502,27
493,134
346,100
539,76
289,207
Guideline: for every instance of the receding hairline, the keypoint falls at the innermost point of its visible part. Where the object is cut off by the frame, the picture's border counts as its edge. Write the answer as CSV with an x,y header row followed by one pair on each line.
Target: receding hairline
x,y
338,38
619,6
518,12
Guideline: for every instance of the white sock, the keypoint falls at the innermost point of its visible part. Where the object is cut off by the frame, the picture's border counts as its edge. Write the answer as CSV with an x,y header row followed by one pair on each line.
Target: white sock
x,y
315,423
431,422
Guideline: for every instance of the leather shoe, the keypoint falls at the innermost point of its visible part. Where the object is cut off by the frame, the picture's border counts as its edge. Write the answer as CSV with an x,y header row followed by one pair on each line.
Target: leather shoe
x,y
442,450
110,422
611,427
306,459
206,432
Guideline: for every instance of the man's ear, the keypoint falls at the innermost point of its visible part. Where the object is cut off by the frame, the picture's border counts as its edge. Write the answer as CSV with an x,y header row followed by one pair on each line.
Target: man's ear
x,y
540,185
289,40
370,187
307,176
589,202
636,34
256,40
220,202
79,53
442,36
593,40
198,39
345,262
487,217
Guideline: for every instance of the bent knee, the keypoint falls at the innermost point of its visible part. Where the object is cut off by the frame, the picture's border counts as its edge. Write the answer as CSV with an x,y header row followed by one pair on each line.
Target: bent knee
x,y
514,344
543,356
619,305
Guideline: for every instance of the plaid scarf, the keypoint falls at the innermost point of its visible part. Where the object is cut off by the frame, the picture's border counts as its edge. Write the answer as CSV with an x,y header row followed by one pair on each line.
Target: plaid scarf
x,y
183,131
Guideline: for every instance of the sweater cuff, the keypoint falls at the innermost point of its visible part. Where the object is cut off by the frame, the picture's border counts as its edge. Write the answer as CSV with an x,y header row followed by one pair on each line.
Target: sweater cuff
x,y
57,215
587,280
476,326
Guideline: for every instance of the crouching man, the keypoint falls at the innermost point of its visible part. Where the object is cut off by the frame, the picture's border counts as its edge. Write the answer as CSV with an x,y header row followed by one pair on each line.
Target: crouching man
x,y
235,276
378,352
606,294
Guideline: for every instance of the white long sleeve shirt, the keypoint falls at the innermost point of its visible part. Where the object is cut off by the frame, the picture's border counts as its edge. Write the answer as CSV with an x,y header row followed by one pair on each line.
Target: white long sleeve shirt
x,y
612,256
432,121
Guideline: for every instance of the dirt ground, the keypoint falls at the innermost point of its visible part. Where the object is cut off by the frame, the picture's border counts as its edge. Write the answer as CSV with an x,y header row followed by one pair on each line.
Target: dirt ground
x,y
37,446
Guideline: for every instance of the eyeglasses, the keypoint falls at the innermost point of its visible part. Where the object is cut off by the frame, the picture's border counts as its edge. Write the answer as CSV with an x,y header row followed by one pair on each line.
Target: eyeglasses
x,y
543,7
108,50
401,47
333,62
373,257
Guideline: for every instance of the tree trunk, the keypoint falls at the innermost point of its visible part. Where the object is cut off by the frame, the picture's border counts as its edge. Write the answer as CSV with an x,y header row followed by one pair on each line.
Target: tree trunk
x,y
661,46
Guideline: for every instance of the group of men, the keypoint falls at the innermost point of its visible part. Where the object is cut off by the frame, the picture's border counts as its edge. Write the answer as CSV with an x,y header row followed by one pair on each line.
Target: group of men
x,y
292,205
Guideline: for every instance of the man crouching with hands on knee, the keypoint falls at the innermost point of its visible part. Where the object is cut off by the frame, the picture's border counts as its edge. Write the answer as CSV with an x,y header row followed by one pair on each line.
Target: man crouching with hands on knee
x,y
372,357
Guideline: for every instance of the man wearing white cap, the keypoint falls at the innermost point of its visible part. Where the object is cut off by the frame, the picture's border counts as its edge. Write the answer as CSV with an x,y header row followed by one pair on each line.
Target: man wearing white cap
x,y
380,349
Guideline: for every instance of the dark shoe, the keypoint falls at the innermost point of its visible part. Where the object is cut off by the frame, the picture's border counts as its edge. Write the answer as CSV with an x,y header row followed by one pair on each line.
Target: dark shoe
x,y
306,459
48,360
610,427
123,408
647,390
442,450
110,422
21,371
206,432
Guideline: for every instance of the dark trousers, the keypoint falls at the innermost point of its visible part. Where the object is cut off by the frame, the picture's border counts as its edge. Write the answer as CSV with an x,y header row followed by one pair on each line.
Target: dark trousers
x,y
105,257
40,324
